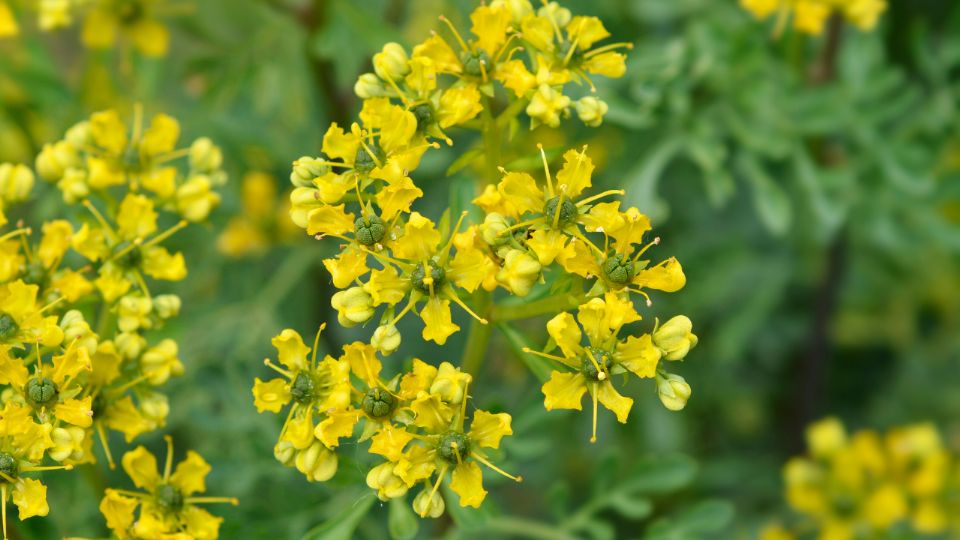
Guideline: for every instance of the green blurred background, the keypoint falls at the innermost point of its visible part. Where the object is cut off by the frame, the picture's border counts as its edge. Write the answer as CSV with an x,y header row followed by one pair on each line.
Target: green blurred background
x,y
817,223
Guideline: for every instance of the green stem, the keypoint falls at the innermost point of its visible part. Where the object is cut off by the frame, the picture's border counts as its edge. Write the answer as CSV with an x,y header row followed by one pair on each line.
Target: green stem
x,y
551,304
523,528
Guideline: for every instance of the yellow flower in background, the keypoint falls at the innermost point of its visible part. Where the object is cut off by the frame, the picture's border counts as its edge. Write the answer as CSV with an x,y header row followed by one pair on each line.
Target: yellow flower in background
x,y
260,224
169,501
110,21
811,16
8,24
869,483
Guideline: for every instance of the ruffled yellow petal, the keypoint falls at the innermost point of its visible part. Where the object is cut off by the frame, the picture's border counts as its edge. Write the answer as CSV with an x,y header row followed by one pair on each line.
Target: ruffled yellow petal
x,y
386,286
141,467
490,26
397,196
564,330
136,217
521,190
200,524
574,176
458,105
611,399
638,355
161,137
335,426
470,267
487,429
667,276
329,220
420,239
150,37
340,145
437,321
75,411
118,511
291,350
190,474
350,264
564,391
30,496
468,484
431,412
390,442
442,56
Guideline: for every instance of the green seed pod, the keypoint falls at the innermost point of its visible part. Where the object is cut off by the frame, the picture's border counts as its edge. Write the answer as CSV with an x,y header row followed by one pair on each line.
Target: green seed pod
x,y
472,62
8,326
364,162
425,116
378,403
618,269
169,498
454,446
41,391
420,273
302,388
589,368
9,465
369,230
568,211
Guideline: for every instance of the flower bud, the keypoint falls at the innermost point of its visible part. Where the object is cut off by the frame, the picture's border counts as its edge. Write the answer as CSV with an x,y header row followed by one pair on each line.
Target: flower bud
x,y
518,8
547,105
426,505
54,14
130,346
674,338
67,443
285,453
354,306
386,339
133,313
591,110
450,383
560,15
195,198
369,86
826,437
155,406
520,272
391,62
302,201
205,157
54,160
16,181
306,169
317,462
166,305
76,329
79,134
494,229
674,391
388,485
74,186
160,362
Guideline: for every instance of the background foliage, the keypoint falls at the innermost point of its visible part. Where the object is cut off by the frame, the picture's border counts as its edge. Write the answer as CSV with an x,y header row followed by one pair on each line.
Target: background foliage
x,y
816,218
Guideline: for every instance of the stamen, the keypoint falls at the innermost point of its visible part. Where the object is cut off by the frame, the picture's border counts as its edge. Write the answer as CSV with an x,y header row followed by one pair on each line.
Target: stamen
x,y
99,217
15,232
278,369
596,365
400,94
456,34
371,153
137,122
102,434
207,500
47,468
609,47
445,250
560,359
463,414
456,299
573,48
645,248
546,171
592,198
170,156
142,283
51,304
403,312
503,47
168,464
436,486
316,343
579,235
130,493
596,386
166,234
493,467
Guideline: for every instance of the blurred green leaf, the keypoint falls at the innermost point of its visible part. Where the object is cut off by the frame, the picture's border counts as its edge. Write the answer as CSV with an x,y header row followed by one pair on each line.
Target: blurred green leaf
x,y
402,523
769,199
342,525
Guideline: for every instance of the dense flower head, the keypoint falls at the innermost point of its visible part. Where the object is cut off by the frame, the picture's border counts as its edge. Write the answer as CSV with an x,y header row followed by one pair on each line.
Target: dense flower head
x,y
168,504
863,484
811,16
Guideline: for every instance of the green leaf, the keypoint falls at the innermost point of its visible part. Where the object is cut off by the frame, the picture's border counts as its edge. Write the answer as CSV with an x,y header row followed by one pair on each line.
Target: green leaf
x,y
662,474
342,525
635,508
704,517
643,179
402,523
539,366
769,199
465,160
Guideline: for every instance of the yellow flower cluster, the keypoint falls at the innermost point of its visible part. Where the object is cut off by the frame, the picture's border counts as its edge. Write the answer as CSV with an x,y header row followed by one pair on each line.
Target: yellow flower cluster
x,y
810,16
534,235
262,222
65,382
105,22
865,484
415,420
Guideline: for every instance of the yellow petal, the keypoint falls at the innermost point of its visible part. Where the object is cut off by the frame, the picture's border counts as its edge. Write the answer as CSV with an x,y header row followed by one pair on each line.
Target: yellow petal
x,y
458,105
603,217
136,217
159,263
490,26
335,426
564,330
386,286
191,473
346,267
141,467
468,484
123,416
200,524
487,429
633,225
438,324
611,399
575,175
8,24
118,511
161,137
586,31
666,276
608,64
390,442
30,496
363,361
271,395
75,411
291,351
417,380
55,241
150,37
416,464
12,370
442,56
638,355
397,196
420,239
431,412
329,220
106,127
469,268
521,190
340,145
564,391
550,244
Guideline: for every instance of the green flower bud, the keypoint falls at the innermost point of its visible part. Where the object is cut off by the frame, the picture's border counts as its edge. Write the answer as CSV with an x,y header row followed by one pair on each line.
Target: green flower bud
x,y
307,169
317,462
591,110
155,406
454,447
673,391
369,86
378,403
79,134
54,160
618,268
285,453
419,276
41,391
386,338
568,211
130,345
426,504
74,186
169,498
494,230
353,305
391,62
364,162
520,271
369,230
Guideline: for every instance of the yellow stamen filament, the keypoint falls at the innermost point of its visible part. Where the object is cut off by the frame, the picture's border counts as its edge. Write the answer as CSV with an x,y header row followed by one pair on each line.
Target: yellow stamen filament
x,y
170,156
601,374
546,170
436,486
316,343
592,198
456,34
21,231
643,250
137,122
400,93
167,233
142,283
403,312
610,47
596,387
47,468
643,294
371,153
102,434
483,71
99,217
445,250
493,467
381,257
135,494
133,245
278,369
463,412
579,235
168,464
503,47
207,500
573,49
456,299
126,386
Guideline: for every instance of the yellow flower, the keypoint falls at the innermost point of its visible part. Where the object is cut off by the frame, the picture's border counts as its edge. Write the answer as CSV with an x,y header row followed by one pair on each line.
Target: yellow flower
x,y
826,437
22,320
8,24
591,367
168,504
675,338
134,21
